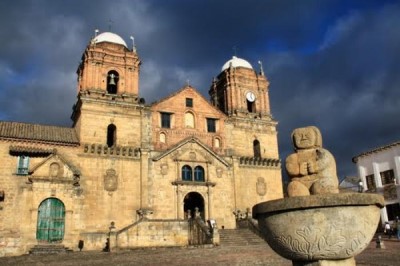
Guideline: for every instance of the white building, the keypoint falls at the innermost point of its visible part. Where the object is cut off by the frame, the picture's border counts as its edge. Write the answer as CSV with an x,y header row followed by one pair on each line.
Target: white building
x,y
379,171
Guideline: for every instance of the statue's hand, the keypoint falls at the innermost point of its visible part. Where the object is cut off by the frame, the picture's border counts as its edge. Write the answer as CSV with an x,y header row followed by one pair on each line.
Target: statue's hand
x,y
303,168
311,167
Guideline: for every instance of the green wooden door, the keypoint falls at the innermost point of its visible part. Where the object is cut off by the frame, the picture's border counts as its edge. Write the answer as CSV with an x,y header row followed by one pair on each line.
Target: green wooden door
x,y
51,220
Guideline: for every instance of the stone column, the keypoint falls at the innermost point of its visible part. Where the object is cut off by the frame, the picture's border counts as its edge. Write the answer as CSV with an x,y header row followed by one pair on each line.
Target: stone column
x,y
384,215
32,227
361,174
397,175
178,202
144,165
377,175
209,192
68,231
397,169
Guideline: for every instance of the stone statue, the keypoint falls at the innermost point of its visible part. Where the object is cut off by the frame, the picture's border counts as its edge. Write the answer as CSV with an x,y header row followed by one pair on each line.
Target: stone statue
x,y
323,227
311,168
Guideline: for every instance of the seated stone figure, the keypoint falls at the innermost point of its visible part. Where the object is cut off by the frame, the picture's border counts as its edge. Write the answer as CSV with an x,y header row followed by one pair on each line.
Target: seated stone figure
x,y
311,168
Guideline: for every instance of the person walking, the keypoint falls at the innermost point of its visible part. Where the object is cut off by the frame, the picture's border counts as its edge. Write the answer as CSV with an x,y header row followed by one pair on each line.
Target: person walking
x,y
387,230
397,227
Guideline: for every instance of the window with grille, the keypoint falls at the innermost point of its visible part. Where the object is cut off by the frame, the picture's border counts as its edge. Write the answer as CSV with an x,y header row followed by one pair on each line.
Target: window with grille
x,y
387,177
370,182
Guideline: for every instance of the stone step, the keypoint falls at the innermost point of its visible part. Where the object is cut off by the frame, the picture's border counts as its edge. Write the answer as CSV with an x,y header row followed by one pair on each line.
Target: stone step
x,y
240,238
49,249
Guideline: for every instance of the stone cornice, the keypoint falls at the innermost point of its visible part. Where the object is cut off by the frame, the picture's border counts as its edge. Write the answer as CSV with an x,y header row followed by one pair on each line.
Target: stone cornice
x,y
259,162
193,183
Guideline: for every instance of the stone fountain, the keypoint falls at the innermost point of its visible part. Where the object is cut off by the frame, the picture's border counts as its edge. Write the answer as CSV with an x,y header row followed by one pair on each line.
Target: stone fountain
x,y
317,225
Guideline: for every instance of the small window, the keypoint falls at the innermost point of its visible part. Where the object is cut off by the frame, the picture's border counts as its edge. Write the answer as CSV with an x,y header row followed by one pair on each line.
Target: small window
x,y
165,120
111,135
23,165
211,125
186,173
199,174
189,102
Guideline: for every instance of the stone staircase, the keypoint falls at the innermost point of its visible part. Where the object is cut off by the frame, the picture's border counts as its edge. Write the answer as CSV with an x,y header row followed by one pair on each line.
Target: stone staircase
x,y
240,238
49,249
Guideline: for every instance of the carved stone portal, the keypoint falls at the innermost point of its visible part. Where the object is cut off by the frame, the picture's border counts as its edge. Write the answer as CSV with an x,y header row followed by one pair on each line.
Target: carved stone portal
x,y
110,180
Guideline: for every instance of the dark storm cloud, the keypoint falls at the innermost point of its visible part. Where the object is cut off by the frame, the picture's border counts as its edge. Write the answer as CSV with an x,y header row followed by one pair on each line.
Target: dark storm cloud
x,y
349,88
333,64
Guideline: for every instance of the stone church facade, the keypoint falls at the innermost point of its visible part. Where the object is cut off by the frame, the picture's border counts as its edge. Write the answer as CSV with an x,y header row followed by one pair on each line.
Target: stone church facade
x,y
134,170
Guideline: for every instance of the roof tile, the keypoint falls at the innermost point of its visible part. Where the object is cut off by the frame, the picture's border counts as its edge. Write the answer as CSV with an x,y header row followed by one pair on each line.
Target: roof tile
x,y
36,132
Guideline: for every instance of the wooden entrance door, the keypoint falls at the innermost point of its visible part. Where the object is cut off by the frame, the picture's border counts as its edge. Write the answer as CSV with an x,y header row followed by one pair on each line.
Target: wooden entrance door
x,y
51,221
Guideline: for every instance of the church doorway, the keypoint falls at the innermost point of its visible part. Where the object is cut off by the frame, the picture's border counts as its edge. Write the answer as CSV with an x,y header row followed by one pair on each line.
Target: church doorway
x,y
51,221
192,201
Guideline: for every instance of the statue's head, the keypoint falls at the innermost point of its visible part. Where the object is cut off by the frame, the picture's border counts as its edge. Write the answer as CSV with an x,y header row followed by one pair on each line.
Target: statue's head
x,y
306,138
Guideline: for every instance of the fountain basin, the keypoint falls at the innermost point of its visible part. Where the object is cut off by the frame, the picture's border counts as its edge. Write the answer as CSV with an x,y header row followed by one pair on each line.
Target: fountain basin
x,y
319,227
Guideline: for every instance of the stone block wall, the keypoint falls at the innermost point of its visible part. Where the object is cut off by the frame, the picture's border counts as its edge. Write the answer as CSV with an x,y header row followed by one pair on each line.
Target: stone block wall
x,y
154,233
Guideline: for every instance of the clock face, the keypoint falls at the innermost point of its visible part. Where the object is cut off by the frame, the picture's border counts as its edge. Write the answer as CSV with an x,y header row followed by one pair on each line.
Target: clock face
x,y
250,96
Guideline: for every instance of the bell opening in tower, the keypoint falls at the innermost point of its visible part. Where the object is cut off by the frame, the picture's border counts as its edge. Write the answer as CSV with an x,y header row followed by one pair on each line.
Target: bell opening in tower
x,y
112,82
251,106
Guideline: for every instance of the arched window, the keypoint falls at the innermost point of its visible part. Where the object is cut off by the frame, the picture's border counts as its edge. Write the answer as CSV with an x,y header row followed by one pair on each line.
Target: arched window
x,y
163,138
256,149
186,173
112,82
217,143
111,135
189,120
199,174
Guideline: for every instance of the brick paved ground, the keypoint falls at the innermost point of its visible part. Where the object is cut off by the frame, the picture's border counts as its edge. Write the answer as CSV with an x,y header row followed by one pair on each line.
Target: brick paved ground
x,y
196,256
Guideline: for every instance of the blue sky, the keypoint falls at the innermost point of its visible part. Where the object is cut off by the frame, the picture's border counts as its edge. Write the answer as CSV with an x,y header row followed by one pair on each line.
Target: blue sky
x,y
332,64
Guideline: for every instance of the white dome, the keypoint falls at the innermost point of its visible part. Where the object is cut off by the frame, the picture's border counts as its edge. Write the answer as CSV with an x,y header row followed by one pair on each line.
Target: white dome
x,y
109,37
236,62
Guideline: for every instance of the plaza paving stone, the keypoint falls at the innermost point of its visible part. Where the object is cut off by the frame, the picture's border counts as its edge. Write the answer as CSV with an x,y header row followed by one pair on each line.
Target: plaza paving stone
x,y
244,255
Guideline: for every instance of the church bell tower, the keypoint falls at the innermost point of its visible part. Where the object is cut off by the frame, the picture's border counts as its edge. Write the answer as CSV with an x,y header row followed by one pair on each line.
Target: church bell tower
x,y
109,67
108,106
239,91
242,94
